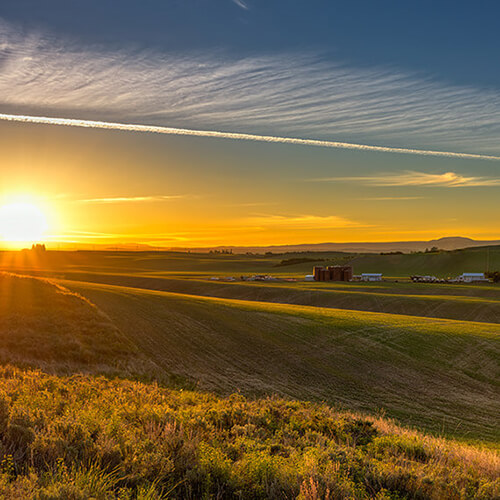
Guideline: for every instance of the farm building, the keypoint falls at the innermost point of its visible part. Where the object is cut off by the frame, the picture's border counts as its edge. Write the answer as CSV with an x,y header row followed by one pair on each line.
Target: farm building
x,y
332,273
371,277
472,277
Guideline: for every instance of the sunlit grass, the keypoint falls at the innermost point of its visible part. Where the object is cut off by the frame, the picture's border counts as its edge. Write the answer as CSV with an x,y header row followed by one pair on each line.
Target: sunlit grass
x,y
88,437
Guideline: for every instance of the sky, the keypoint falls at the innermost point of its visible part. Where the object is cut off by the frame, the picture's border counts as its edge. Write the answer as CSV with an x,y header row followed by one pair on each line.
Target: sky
x,y
396,107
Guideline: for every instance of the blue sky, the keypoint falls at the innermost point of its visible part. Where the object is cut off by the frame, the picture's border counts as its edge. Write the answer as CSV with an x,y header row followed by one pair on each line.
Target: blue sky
x,y
421,75
457,41
424,75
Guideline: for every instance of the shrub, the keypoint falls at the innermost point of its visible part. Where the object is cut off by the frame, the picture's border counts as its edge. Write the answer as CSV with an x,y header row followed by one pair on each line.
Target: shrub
x,y
86,437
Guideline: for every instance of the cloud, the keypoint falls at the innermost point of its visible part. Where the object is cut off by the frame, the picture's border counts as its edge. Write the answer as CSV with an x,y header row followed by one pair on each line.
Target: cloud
x,y
131,199
252,204
409,178
392,198
282,95
241,3
216,232
77,236
301,221
85,235
134,127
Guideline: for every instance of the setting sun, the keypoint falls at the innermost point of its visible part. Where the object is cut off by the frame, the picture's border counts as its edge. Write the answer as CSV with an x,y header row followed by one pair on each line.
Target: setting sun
x,y
22,222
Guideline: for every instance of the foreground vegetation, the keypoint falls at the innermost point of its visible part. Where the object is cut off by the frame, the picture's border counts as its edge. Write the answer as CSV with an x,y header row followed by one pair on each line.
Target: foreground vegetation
x,y
89,437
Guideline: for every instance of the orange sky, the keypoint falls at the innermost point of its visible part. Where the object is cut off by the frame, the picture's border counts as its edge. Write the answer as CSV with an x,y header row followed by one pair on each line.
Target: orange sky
x,y
105,187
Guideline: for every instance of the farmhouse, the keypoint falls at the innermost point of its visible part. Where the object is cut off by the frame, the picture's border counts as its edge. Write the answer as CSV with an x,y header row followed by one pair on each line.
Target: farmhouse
x,y
472,277
371,277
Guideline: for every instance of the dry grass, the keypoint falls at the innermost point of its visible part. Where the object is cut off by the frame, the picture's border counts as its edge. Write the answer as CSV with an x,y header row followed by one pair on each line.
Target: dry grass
x,y
89,437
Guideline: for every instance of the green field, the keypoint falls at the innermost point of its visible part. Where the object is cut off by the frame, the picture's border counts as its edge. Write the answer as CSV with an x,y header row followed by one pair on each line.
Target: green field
x,y
131,344
439,375
441,264
190,273
462,302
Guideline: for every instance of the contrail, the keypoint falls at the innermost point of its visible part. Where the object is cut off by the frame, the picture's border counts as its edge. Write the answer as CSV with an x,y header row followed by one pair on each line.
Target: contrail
x,y
131,127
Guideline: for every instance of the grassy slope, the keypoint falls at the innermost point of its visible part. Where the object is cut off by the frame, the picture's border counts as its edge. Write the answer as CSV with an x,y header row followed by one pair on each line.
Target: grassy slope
x,y
442,264
462,302
45,325
439,375
85,437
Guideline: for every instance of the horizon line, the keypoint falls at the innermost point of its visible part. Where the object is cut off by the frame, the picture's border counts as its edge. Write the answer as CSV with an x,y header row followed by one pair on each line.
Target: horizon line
x,y
131,127
148,247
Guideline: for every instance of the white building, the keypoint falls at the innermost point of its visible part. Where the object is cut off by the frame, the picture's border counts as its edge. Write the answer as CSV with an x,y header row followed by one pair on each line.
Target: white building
x,y
309,277
472,277
371,277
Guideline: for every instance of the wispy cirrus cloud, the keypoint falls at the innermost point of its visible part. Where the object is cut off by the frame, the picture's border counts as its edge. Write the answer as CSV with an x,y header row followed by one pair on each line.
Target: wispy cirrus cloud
x,y
293,94
301,221
242,4
410,178
391,198
131,199
76,236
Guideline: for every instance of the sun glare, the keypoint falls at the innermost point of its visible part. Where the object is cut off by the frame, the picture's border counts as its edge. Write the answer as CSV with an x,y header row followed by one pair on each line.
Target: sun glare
x,y
22,223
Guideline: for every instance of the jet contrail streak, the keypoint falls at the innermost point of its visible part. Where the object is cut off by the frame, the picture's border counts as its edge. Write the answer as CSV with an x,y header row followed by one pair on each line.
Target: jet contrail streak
x,y
130,127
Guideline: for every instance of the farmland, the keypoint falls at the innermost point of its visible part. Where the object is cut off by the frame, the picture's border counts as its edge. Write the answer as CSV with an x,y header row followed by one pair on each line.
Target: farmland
x,y
441,264
424,372
189,274
248,389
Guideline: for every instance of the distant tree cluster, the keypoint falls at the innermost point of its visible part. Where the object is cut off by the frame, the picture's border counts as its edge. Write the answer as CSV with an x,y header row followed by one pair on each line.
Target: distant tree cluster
x,y
38,247
297,260
391,253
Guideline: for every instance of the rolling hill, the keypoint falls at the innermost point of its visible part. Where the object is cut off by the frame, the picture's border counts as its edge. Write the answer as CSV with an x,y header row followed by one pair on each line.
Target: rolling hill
x,y
440,375
462,302
446,243
111,391
441,264
85,437
47,326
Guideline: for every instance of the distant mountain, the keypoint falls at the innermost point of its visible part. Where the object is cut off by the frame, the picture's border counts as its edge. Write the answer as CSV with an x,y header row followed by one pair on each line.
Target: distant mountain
x,y
448,243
